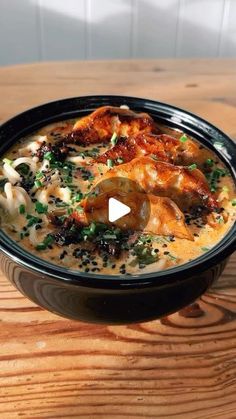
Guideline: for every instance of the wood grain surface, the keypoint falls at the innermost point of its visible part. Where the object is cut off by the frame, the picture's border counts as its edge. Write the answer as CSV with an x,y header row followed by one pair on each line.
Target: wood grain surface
x,y
179,367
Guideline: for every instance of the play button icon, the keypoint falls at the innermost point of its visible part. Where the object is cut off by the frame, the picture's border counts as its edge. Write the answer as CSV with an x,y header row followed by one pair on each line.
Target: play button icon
x,y
120,202
117,210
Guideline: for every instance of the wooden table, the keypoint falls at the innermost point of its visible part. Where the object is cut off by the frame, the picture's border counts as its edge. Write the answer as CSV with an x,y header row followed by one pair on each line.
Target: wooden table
x,y
180,368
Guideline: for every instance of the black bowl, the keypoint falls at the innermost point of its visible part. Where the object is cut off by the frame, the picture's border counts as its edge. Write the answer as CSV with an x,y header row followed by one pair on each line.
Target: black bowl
x,y
103,298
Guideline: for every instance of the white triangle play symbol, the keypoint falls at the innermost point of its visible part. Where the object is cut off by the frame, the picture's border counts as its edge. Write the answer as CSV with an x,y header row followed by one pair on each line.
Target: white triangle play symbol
x,y
116,210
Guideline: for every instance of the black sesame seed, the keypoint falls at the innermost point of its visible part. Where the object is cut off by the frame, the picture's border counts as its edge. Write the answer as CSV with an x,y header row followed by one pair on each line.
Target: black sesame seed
x,y
166,253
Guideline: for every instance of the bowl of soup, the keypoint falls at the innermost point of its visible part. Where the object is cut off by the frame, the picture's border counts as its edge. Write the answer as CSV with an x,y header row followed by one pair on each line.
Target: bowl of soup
x,y
115,209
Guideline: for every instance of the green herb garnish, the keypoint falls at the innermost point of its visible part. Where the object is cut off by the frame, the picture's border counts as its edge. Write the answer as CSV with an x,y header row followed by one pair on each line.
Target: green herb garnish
x,y
205,249
110,163
214,176
209,162
144,255
90,153
79,209
77,197
172,257
39,175
32,220
48,240
38,184
233,202
49,156
22,209
192,166
114,138
183,138
61,204
41,208
8,161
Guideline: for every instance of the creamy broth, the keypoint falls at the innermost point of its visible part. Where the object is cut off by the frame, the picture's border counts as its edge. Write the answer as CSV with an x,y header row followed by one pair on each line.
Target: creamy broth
x,y
40,193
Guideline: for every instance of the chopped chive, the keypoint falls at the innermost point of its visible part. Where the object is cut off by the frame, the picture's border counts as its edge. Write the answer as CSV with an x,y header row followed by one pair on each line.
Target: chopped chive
x,y
49,156
233,202
8,161
37,184
79,209
205,249
77,197
183,138
120,160
41,246
41,208
39,175
32,220
172,257
69,211
61,204
209,162
110,163
48,240
192,166
22,209
114,138
109,236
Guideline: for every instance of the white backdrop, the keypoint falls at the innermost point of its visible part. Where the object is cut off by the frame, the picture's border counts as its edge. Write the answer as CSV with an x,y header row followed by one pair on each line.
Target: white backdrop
x,y
34,30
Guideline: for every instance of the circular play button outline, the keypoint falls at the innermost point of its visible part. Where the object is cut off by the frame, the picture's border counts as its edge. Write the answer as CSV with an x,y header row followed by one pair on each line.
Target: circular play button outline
x,y
118,201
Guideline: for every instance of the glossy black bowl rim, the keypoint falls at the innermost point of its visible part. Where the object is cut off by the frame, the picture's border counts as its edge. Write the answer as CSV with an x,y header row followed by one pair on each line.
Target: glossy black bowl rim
x,y
161,278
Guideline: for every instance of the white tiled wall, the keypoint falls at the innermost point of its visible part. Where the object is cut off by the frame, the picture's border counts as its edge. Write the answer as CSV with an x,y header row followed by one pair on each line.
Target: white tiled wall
x,y
32,30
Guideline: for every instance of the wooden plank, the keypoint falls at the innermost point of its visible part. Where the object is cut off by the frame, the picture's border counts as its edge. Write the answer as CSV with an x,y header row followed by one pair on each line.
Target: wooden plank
x,y
207,87
63,29
199,28
18,32
155,26
109,29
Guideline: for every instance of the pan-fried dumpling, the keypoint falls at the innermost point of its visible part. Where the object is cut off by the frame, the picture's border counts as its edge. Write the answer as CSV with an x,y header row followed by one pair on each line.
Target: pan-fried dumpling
x,y
164,147
149,213
186,186
100,125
